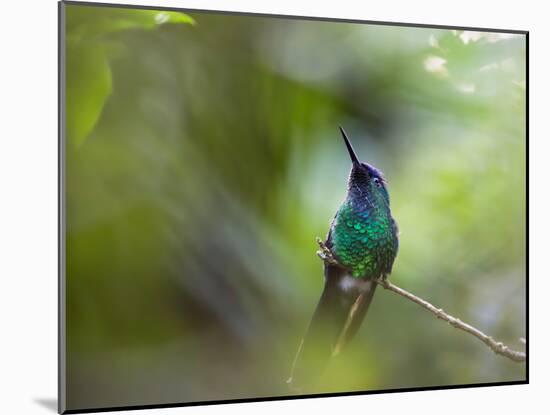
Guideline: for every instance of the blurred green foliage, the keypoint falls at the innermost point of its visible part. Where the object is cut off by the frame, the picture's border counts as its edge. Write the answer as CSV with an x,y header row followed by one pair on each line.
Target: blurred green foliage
x,y
88,70
202,160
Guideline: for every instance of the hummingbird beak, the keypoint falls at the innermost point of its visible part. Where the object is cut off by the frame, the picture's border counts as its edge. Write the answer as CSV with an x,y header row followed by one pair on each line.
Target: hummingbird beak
x,y
352,155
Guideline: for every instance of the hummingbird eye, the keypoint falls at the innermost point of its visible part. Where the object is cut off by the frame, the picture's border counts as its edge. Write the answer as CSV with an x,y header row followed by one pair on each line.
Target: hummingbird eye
x,y
377,181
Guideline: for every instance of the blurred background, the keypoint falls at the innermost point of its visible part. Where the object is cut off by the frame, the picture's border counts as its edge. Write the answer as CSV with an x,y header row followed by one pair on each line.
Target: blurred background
x,y
202,160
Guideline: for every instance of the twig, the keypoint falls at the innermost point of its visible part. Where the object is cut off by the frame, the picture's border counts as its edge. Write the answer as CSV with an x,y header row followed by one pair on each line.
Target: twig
x,y
498,347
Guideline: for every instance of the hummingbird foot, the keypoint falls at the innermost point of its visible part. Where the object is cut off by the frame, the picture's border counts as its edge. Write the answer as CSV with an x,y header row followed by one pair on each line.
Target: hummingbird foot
x,y
383,281
325,253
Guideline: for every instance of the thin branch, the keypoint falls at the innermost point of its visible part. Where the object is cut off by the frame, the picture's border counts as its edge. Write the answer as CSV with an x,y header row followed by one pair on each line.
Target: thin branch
x,y
498,347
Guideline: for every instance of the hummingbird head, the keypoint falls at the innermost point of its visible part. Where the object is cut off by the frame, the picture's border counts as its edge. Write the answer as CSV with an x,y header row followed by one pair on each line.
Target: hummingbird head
x,y
364,179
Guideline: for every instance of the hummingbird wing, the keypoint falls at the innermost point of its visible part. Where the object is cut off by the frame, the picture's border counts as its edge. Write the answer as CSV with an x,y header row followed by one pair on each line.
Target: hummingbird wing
x,y
338,315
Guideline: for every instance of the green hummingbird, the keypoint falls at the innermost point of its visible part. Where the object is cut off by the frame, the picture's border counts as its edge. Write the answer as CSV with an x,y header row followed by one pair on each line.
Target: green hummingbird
x,y
363,238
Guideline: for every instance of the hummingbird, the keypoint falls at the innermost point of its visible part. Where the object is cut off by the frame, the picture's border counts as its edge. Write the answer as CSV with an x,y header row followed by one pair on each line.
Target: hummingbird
x,y
363,238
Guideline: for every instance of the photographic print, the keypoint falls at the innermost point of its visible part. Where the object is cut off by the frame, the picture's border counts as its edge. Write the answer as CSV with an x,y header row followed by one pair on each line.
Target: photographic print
x,y
257,207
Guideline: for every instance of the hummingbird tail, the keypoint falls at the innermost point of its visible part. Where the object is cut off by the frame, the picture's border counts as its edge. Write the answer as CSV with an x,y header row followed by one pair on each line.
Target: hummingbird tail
x,y
356,316
339,313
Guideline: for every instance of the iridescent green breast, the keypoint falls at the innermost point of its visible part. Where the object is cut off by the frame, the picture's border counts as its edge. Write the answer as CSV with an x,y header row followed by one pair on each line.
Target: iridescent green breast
x,y
364,239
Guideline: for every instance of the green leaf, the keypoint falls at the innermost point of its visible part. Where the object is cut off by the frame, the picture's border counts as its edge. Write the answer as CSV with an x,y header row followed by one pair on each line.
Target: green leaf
x,y
89,80
89,83
89,22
